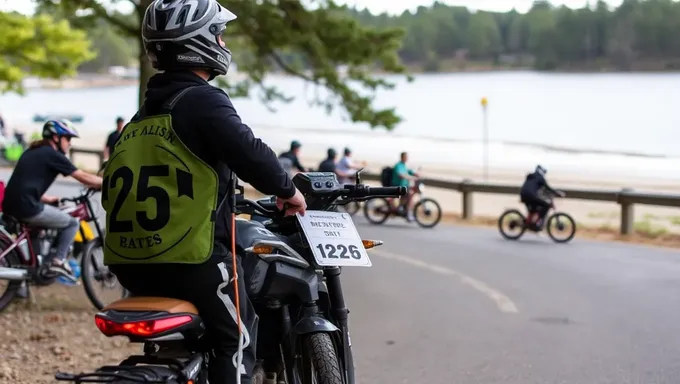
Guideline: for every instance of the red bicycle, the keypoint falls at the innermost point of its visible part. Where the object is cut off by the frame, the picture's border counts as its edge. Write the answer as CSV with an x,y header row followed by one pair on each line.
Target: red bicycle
x,y
426,211
24,248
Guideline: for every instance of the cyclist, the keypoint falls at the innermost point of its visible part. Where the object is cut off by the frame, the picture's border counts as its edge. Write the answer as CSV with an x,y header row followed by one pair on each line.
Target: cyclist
x,y
347,168
290,160
402,176
167,202
529,195
34,173
328,165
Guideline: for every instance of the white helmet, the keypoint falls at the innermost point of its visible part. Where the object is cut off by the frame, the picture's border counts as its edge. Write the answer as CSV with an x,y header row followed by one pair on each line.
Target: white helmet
x,y
182,34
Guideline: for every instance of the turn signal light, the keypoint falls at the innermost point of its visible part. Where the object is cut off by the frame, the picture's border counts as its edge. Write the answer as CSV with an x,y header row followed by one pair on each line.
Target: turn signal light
x,y
368,244
263,249
144,328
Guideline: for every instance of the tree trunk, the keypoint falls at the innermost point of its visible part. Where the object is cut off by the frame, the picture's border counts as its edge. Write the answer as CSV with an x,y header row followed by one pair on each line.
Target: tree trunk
x,y
145,68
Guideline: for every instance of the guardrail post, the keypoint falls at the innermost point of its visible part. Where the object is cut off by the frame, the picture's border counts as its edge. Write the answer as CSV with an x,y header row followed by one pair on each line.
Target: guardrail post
x,y
467,199
627,212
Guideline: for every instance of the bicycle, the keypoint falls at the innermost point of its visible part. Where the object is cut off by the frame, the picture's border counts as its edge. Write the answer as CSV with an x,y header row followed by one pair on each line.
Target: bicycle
x,y
560,220
25,249
378,210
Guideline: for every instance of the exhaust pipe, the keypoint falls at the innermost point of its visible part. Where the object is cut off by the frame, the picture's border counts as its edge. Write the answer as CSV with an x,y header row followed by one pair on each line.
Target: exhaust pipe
x,y
13,274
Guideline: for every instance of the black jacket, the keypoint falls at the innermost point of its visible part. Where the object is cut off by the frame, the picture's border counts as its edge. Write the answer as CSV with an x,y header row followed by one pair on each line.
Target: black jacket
x,y
207,123
534,183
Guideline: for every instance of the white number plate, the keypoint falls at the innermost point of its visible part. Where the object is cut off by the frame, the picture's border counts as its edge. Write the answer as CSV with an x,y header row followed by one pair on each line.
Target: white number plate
x,y
334,239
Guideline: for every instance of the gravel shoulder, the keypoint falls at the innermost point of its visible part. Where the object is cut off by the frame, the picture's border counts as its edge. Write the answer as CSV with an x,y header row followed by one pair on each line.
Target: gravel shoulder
x,y
54,331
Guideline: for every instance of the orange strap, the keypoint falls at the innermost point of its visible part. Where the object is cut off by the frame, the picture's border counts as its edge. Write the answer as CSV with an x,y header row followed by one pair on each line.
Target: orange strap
x,y
234,267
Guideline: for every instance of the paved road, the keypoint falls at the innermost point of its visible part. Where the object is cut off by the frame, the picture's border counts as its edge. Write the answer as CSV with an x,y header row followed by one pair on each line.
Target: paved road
x,y
460,305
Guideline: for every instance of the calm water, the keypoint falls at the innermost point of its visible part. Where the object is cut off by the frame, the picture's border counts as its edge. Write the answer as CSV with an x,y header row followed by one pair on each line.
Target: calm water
x,y
557,119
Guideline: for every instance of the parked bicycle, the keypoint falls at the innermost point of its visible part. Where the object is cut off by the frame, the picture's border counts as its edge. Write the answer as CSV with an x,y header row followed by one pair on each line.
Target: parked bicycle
x,y
427,212
24,250
556,224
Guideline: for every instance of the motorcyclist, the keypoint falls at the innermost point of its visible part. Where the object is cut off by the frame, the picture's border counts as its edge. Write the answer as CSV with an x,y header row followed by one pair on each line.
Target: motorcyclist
x,y
290,160
34,173
168,211
529,195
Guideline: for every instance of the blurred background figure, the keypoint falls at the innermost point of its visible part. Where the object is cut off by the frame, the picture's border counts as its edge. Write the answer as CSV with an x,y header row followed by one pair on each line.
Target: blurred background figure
x,y
328,165
347,167
113,137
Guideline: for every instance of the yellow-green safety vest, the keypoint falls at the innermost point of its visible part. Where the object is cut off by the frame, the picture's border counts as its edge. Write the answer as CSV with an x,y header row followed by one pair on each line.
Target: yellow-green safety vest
x,y
160,198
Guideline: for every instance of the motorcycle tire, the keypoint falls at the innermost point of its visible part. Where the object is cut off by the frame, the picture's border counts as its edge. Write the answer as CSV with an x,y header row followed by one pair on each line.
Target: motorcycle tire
x,y
320,359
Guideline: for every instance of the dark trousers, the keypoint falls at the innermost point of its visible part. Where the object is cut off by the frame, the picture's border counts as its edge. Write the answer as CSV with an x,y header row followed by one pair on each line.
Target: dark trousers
x,y
210,288
536,204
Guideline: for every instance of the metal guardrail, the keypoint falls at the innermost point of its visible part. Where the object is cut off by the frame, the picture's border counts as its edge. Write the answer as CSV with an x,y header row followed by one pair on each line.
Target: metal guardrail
x,y
626,197
97,152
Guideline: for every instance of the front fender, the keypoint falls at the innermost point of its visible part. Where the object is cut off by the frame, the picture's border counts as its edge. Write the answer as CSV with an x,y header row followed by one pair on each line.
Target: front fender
x,y
314,324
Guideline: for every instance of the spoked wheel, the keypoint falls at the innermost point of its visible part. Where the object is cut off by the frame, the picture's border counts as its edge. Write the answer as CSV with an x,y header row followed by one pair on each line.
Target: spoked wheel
x,y
101,285
377,210
352,207
427,212
561,227
8,288
511,224
320,363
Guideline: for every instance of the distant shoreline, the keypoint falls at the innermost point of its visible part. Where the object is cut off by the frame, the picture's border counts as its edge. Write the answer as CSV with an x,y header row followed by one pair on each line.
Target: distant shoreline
x,y
85,81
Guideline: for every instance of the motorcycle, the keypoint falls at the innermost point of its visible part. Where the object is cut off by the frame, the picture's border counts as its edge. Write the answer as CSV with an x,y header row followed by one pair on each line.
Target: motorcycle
x,y
293,282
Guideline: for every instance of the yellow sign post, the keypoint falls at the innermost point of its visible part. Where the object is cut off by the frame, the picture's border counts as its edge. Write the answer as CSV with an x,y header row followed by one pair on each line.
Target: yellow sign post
x,y
485,133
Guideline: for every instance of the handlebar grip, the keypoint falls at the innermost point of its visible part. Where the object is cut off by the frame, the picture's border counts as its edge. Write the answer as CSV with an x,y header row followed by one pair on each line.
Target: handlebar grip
x,y
387,191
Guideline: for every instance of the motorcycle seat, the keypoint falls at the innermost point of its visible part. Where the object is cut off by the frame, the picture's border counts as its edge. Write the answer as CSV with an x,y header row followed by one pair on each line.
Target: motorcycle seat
x,y
152,304
144,318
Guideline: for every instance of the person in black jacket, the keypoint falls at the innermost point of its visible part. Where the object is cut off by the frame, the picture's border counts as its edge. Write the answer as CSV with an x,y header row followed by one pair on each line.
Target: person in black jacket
x,y
533,184
328,165
290,160
184,40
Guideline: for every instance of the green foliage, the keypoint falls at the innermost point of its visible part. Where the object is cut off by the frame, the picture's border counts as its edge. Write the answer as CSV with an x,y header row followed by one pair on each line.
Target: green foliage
x,y
639,34
38,46
321,37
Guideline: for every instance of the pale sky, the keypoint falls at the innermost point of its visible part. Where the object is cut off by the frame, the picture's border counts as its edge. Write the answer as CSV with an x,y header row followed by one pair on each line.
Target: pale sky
x,y
378,6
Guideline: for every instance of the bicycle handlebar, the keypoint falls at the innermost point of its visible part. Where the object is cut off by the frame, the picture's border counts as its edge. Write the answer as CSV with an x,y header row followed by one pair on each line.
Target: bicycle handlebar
x,y
88,192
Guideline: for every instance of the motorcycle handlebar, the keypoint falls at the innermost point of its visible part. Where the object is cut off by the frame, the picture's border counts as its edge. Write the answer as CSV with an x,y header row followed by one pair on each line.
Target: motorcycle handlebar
x,y
350,192
363,191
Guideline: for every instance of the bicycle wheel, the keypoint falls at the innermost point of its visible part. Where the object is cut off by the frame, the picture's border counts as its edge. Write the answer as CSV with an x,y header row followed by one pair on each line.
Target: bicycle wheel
x,y
8,288
377,210
561,223
515,221
352,208
101,285
431,212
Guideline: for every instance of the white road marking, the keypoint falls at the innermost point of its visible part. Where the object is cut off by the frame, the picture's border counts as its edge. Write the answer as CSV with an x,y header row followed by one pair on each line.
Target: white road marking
x,y
503,302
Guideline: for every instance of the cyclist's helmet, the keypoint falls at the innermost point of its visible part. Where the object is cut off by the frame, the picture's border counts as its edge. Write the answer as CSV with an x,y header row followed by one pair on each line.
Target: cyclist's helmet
x,y
59,128
181,34
540,170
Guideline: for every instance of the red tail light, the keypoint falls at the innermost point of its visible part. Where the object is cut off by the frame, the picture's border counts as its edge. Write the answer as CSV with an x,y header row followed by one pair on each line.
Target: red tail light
x,y
144,328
